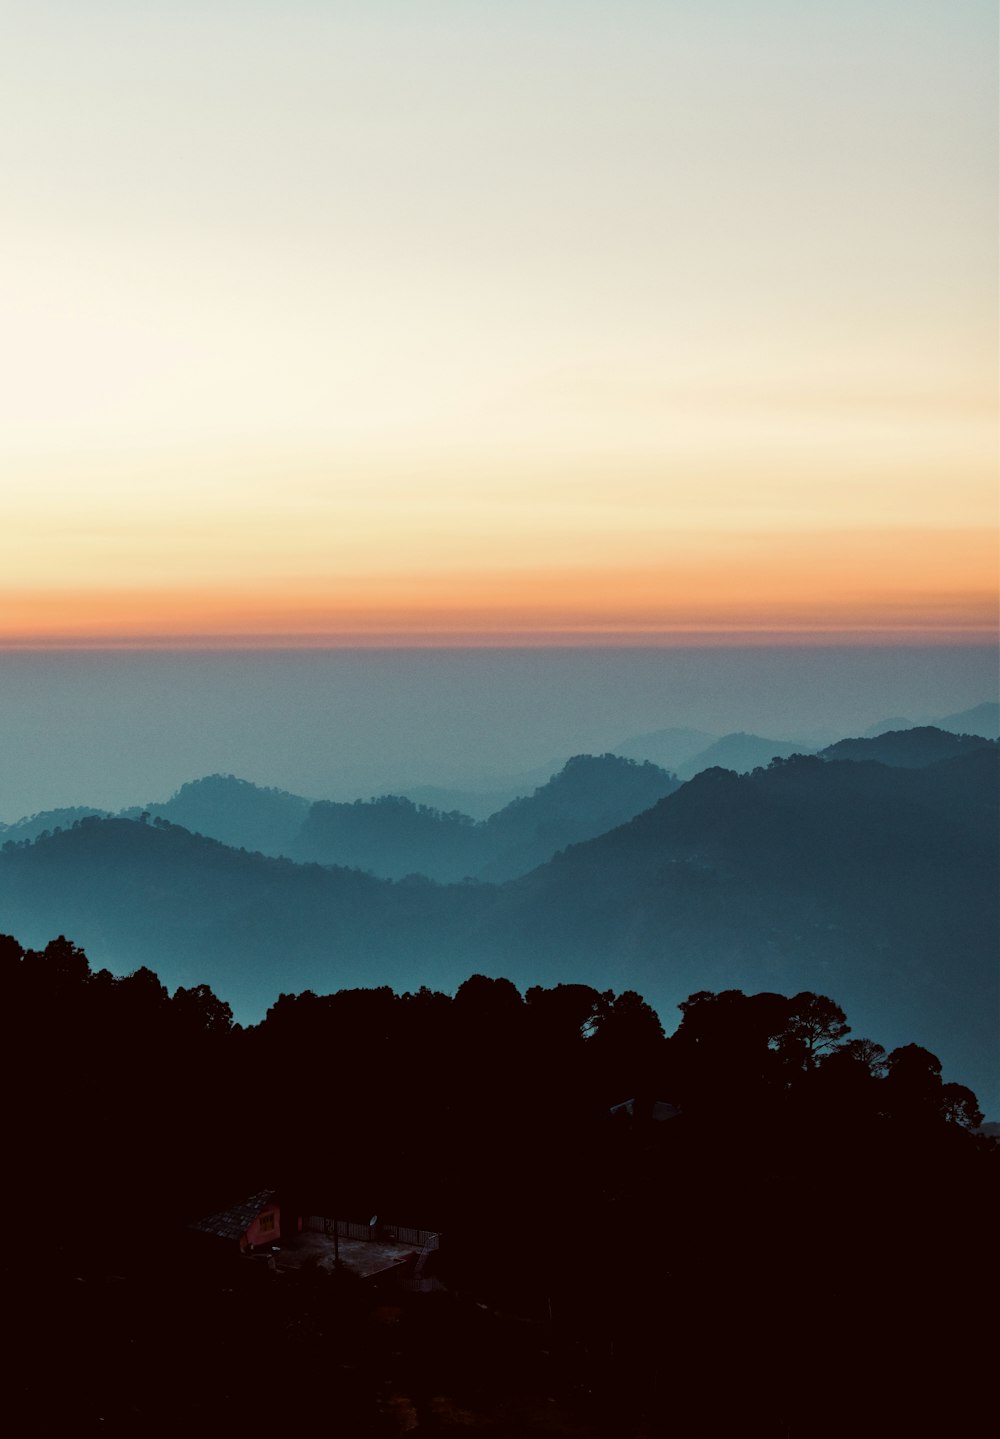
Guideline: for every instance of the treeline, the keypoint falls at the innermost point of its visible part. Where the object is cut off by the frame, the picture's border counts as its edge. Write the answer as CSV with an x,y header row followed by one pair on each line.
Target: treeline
x,y
876,885
419,1103
712,1230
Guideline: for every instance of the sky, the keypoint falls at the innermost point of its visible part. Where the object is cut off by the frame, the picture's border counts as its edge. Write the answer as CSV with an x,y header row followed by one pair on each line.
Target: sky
x,y
431,322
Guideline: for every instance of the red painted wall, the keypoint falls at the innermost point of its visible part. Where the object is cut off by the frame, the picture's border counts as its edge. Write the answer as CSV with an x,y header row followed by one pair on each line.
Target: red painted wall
x,y
260,1234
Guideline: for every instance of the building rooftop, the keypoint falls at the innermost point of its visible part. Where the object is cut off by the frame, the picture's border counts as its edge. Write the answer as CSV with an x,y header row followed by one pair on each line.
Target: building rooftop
x,y
233,1223
363,1257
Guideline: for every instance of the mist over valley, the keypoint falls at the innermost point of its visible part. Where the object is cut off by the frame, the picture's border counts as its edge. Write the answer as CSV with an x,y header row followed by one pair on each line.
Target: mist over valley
x,y
865,867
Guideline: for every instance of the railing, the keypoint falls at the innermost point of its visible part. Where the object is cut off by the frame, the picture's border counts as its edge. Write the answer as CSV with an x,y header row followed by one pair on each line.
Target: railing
x,y
418,1238
424,1239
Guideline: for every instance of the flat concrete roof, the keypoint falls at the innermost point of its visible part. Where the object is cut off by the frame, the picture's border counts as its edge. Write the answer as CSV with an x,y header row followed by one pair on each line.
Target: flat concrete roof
x,y
363,1257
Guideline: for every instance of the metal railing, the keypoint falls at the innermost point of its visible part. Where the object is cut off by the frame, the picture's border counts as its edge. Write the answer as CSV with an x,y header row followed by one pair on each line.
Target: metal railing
x,y
423,1239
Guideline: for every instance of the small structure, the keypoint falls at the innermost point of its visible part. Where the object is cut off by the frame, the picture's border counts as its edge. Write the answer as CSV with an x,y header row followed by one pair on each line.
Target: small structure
x,y
255,1222
369,1251
291,1241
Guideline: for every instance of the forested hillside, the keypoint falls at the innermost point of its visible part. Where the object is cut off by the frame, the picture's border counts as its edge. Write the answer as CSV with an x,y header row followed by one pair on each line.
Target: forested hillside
x,y
879,882
798,1210
394,837
914,747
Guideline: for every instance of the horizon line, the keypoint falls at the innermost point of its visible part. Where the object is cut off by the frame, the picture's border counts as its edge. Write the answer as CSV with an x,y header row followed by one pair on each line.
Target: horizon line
x,y
877,636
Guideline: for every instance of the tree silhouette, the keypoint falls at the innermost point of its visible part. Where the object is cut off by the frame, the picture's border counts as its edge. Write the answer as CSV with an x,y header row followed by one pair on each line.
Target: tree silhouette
x,y
815,1026
960,1106
202,1010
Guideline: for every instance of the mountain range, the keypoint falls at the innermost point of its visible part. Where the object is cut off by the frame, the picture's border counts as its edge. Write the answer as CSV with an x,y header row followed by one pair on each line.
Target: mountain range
x,y
982,720
251,816
873,881
394,837
686,752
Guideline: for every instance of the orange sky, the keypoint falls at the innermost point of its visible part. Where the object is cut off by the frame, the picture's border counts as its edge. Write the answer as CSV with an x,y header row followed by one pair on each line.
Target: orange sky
x,y
354,323
887,584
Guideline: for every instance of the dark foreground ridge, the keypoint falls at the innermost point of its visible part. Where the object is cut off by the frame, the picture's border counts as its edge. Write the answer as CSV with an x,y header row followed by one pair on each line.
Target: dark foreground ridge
x,y
762,1224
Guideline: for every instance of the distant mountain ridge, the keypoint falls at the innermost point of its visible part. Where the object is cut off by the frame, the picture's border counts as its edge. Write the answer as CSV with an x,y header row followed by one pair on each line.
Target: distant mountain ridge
x,y
876,882
916,747
741,753
669,748
689,751
393,837
34,825
390,835
235,811
982,720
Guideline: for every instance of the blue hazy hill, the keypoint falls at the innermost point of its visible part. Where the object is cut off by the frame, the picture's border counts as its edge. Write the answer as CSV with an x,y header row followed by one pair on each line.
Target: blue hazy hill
x,y
915,747
393,837
873,882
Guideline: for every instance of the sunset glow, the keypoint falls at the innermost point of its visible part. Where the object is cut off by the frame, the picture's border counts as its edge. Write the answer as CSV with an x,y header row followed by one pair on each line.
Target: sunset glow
x,y
535,324
778,586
